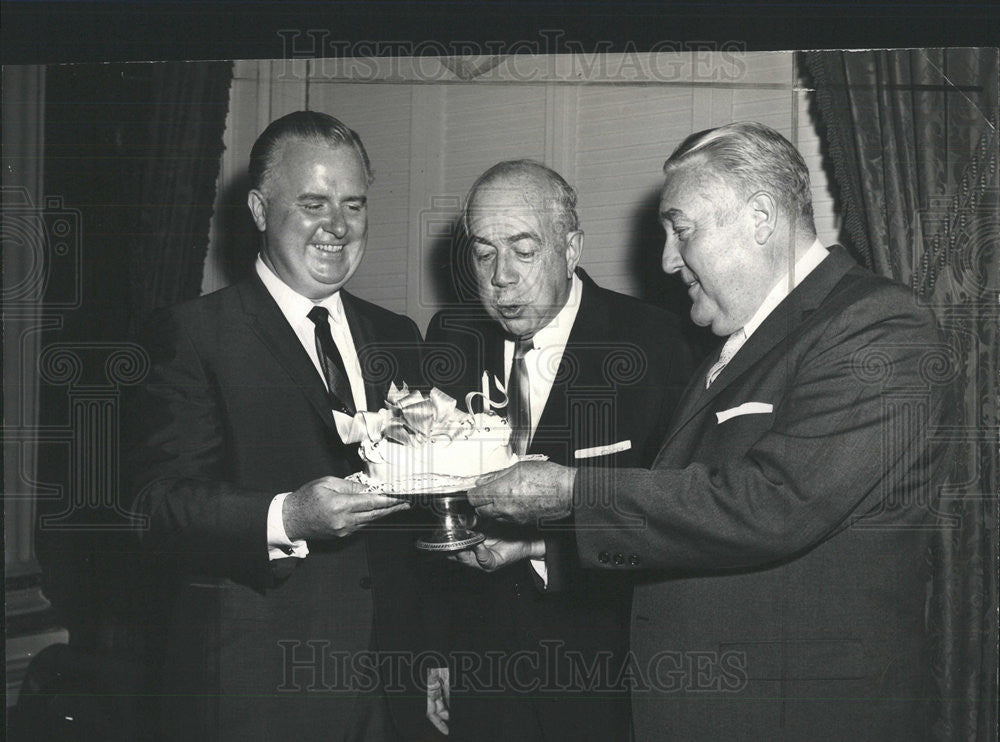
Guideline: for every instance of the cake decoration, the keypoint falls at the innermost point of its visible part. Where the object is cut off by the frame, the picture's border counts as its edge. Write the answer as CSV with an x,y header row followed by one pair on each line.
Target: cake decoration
x,y
420,442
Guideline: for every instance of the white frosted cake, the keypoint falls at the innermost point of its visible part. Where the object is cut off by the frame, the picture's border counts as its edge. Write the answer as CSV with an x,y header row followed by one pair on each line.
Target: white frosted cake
x,y
420,442
475,450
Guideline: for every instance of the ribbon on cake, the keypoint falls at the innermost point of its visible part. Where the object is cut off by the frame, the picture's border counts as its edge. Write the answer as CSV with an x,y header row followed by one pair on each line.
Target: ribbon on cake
x,y
412,418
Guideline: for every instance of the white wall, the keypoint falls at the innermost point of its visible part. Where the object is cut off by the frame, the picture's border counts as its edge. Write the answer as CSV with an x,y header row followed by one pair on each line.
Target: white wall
x,y
429,134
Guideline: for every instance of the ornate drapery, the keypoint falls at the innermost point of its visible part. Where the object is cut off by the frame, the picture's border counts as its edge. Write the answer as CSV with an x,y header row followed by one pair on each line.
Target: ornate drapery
x,y
178,183
131,159
913,141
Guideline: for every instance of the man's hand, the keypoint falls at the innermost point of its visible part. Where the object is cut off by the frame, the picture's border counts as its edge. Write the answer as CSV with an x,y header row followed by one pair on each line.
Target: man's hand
x,y
331,507
526,493
494,553
438,697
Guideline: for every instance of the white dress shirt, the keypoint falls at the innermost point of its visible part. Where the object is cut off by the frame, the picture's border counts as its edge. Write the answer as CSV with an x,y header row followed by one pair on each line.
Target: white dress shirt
x,y
542,363
295,308
805,265
781,289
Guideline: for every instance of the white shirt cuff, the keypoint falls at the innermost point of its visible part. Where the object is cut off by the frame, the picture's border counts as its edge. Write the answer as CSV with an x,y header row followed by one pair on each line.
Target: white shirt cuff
x,y
541,570
278,544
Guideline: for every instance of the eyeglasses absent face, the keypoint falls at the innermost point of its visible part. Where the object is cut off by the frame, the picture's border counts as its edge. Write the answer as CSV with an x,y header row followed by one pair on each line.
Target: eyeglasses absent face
x,y
522,263
313,211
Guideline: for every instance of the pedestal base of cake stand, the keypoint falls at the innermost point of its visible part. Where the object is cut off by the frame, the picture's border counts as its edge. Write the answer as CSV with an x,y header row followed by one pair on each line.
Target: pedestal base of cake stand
x,y
456,517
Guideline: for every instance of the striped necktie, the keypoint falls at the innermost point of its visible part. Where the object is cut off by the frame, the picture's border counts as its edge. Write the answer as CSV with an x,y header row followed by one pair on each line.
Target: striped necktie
x,y
519,398
341,398
733,344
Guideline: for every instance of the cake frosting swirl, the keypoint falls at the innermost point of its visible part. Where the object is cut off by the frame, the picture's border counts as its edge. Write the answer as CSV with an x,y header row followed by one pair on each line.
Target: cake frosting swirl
x,y
424,440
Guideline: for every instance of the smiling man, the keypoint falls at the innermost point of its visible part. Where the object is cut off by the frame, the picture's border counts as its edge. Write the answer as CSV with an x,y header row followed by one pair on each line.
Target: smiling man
x,y
239,457
312,211
592,378
783,526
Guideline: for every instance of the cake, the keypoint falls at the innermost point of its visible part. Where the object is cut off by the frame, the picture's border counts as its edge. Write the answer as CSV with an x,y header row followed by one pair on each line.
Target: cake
x,y
477,449
423,440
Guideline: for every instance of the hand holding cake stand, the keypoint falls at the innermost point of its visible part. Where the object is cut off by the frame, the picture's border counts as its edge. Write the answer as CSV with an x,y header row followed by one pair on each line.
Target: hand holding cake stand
x,y
448,502
447,498
421,448
456,519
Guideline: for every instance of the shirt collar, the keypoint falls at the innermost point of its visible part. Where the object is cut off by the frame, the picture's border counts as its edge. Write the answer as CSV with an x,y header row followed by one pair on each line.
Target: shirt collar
x,y
802,268
292,304
557,331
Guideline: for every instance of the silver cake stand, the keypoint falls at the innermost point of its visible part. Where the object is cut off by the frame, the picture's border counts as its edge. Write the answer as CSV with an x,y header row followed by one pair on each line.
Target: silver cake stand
x,y
446,498
456,519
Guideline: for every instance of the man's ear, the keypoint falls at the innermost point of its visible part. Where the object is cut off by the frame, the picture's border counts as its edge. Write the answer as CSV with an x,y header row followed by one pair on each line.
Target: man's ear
x,y
258,209
764,212
574,249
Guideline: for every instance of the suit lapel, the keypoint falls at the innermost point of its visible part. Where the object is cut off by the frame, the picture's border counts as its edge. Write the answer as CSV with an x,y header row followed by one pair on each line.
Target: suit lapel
x,y
270,325
780,324
693,395
364,336
590,325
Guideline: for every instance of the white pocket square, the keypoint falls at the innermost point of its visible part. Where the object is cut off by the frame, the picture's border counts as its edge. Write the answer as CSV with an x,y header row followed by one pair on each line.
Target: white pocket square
x,y
589,453
747,408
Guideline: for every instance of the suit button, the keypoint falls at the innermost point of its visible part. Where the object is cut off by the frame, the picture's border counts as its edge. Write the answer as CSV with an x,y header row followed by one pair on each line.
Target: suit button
x,y
365,583
633,559
619,559
604,557
516,589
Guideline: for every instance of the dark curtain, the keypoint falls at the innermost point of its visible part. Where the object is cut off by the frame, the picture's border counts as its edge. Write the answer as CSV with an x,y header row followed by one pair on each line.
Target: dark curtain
x,y
912,138
178,181
131,157
176,193
131,160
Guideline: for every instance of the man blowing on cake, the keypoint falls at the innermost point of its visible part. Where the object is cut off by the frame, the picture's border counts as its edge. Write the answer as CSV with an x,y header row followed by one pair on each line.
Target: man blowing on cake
x,y
592,379
788,512
240,428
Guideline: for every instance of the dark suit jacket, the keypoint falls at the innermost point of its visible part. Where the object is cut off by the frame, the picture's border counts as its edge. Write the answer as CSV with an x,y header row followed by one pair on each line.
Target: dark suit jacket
x,y
234,412
619,380
792,543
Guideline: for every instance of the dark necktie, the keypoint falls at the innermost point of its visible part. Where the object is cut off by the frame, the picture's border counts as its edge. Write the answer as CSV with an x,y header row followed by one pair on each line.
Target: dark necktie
x,y
519,398
334,370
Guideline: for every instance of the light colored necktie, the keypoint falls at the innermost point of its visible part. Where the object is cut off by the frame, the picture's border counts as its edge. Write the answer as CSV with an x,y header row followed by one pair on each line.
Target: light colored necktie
x,y
733,344
519,398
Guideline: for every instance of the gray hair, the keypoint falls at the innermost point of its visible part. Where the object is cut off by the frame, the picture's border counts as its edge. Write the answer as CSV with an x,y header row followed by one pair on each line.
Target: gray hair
x,y
565,218
749,157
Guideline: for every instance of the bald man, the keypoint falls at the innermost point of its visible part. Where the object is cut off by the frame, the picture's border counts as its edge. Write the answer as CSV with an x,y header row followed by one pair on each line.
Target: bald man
x,y
593,378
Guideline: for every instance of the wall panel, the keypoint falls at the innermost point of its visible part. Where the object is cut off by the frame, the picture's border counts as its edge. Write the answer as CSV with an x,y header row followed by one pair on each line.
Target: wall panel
x,y
429,140
623,135
381,115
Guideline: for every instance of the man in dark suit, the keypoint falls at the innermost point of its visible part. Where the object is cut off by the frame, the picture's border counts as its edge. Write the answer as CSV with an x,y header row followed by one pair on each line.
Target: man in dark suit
x,y
600,374
787,515
238,457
